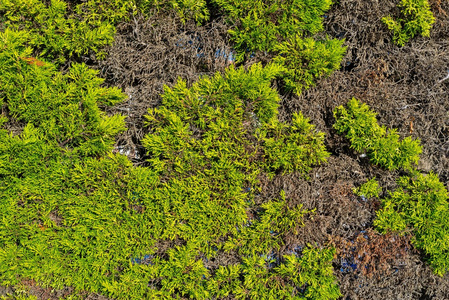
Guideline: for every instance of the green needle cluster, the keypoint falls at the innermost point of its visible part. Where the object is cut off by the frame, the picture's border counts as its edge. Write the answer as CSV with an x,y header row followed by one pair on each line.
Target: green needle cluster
x,y
381,145
417,18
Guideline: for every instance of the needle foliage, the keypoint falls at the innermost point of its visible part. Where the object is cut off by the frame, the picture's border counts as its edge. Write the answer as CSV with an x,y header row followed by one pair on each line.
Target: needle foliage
x,y
306,60
64,107
73,214
381,145
285,29
420,206
261,25
59,29
59,32
417,18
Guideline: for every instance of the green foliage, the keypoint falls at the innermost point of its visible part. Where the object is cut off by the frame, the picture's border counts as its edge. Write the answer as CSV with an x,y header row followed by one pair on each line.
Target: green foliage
x,y
284,27
306,60
275,220
417,19
305,276
383,147
203,135
59,34
369,189
312,272
420,204
69,223
64,107
285,148
203,138
73,214
48,227
59,30
261,25
3,119
96,12
224,111
33,150
186,9
191,9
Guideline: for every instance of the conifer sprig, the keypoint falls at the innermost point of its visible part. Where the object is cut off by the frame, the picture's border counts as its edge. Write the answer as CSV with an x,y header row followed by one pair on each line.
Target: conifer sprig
x,y
306,60
382,146
417,19
64,107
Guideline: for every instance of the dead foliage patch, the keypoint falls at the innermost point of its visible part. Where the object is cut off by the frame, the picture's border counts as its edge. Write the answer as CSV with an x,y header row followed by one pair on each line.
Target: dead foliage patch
x,y
373,254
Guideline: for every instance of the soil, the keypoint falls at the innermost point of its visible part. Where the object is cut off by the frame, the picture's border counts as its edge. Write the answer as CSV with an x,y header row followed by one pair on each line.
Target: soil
x,y
402,84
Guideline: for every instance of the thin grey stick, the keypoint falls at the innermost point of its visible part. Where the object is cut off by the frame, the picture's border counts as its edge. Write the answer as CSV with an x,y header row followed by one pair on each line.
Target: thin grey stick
x,y
445,78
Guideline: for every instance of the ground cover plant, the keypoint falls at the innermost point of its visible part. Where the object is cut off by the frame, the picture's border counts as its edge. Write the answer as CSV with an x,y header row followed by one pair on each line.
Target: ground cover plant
x,y
57,33
306,60
60,29
64,107
257,202
381,145
420,205
261,25
417,19
285,29
421,200
102,217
